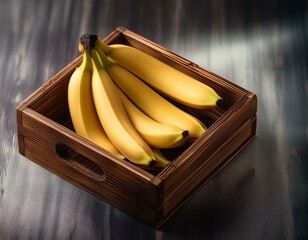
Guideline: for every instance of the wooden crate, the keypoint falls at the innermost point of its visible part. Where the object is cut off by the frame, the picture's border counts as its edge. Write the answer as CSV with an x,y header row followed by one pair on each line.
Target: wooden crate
x,y
46,136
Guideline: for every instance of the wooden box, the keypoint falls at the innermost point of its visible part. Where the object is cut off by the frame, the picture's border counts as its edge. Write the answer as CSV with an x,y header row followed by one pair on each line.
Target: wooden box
x,y
46,136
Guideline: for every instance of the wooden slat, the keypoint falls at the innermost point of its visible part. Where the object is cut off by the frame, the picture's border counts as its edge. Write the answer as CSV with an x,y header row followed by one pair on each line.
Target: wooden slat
x,y
171,205
208,167
110,190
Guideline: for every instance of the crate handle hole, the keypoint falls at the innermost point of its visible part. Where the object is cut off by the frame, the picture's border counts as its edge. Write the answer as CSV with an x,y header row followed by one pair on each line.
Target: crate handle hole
x,y
80,162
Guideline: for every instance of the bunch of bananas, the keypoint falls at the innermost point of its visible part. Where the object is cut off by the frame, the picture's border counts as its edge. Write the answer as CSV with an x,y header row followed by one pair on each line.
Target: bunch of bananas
x,y
115,99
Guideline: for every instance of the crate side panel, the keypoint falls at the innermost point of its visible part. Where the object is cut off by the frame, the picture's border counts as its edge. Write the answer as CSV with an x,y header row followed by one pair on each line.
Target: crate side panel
x,y
172,208
129,180
135,206
211,165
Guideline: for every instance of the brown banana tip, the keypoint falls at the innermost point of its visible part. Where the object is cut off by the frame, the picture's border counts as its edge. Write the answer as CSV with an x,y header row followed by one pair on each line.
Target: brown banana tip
x,y
219,102
152,163
185,133
88,41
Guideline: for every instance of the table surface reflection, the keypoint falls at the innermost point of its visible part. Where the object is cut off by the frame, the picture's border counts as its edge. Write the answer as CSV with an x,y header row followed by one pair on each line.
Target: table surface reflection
x,y
259,45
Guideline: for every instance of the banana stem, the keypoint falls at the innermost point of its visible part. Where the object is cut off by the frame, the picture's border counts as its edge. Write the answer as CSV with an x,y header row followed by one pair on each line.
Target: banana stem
x,y
103,45
102,56
96,61
86,61
87,41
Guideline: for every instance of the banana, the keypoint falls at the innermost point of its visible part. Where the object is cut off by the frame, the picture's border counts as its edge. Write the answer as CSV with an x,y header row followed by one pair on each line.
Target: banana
x,y
154,133
162,162
114,118
82,109
149,101
162,77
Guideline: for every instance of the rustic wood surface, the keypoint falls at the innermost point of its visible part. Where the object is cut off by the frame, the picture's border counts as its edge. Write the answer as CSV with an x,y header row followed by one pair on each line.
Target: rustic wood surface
x,y
259,45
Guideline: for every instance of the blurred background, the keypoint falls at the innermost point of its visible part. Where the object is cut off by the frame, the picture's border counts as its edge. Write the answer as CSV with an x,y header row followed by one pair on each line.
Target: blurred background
x,y
259,45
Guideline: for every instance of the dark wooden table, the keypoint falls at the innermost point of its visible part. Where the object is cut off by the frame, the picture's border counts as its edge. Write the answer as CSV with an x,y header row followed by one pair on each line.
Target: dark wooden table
x,y
259,45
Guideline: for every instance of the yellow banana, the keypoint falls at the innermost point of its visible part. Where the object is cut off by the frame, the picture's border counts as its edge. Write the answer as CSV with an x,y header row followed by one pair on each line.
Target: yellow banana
x,y
161,162
154,133
160,158
164,78
82,109
114,118
149,101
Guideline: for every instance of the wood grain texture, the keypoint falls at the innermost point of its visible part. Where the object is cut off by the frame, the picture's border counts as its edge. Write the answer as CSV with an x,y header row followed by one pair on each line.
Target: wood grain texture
x,y
260,45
